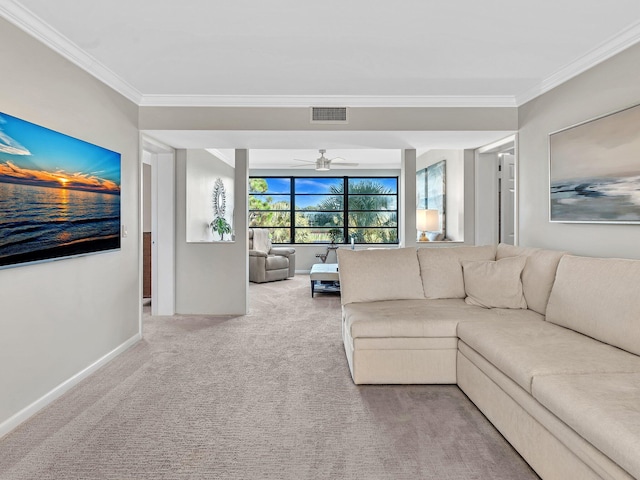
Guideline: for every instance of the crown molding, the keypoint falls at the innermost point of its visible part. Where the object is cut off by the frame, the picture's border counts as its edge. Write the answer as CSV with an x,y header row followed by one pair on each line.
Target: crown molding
x,y
40,30
37,28
607,49
327,100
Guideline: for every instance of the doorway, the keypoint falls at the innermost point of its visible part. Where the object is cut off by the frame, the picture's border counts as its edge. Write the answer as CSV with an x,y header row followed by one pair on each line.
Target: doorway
x,y
495,193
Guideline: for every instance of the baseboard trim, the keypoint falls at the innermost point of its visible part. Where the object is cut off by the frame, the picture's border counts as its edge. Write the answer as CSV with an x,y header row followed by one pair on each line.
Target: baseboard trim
x,y
12,422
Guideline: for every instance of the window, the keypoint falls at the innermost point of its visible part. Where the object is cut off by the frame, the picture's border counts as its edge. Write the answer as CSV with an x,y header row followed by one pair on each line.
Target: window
x,y
321,209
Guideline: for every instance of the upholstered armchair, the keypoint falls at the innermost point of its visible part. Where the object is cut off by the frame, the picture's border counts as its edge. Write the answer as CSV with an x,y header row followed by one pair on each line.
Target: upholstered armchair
x,y
266,263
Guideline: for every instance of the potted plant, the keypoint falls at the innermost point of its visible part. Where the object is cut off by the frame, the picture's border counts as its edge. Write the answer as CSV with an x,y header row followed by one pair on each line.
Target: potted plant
x,y
220,226
335,234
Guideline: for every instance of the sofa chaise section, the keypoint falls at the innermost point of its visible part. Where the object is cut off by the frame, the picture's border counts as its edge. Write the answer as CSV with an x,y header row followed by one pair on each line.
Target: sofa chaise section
x,y
539,348
602,408
383,324
404,341
499,373
552,448
571,381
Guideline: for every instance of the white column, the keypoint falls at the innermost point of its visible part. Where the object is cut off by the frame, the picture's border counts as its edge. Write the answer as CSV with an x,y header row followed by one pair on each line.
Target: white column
x,y
407,232
469,197
163,234
241,217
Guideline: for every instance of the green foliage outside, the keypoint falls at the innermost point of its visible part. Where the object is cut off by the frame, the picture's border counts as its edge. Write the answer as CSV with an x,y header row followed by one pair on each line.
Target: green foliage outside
x,y
264,212
378,205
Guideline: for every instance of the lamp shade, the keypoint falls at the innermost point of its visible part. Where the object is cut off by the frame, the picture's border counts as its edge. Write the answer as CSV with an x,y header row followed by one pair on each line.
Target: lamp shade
x,y
427,220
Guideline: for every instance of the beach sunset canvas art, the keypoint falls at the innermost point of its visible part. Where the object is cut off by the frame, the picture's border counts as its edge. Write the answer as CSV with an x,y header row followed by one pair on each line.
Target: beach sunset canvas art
x,y
59,196
595,170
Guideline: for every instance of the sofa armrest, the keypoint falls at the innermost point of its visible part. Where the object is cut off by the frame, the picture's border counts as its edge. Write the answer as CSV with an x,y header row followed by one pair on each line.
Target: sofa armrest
x,y
290,253
257,253
283,251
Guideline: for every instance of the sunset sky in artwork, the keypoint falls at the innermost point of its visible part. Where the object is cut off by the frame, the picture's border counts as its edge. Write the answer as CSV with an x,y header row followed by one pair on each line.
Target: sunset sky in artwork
x,y
34,155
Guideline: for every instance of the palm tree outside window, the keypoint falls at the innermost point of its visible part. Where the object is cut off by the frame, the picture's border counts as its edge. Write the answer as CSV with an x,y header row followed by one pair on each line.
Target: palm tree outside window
x,y
322,209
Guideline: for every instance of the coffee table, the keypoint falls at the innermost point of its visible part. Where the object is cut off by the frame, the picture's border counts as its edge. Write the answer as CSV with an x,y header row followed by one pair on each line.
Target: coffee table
x,y
324,278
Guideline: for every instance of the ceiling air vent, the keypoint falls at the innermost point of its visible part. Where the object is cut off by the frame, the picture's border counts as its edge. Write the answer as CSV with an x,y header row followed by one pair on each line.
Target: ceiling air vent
x,y
329,115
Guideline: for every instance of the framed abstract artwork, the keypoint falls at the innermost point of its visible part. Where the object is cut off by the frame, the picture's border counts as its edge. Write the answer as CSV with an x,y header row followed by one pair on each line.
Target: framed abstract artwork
x,y
59,196
431,191
594,170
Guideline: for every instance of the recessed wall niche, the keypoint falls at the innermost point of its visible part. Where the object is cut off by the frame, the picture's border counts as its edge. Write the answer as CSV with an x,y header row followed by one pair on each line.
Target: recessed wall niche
x,y
454,187
210,194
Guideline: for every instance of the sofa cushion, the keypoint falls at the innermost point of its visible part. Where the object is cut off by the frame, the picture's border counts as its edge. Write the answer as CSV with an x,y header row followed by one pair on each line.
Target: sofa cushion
x,y
494,284
418,318
602,408
441,270
276,262
598,297
538,275
523,350
375,275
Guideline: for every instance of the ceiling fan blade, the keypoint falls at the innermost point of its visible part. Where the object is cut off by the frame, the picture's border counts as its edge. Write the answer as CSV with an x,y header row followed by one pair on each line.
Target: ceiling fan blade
x,y
309,165
345,164
305,161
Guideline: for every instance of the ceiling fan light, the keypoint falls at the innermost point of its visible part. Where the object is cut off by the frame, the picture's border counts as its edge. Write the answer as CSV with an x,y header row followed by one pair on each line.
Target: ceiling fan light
x,y
322,165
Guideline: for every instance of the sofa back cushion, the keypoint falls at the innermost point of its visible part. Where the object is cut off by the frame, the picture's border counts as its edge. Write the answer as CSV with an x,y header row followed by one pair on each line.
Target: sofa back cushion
x,y
494,283
374,275
538,275
441,270
598,297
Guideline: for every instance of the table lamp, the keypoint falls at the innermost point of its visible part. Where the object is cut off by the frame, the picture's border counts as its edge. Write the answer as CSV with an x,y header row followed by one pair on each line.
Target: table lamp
x,y
427,220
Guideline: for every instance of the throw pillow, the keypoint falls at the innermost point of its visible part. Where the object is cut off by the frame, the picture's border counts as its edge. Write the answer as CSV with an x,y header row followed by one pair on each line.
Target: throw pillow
x,y
495,284
374,275
538,275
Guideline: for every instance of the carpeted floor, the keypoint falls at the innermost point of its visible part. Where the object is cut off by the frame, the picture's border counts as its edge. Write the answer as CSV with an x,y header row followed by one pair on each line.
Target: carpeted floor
x,y
263,396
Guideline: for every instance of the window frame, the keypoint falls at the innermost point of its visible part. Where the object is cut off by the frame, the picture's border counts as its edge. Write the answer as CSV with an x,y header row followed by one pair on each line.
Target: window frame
x,y
345,207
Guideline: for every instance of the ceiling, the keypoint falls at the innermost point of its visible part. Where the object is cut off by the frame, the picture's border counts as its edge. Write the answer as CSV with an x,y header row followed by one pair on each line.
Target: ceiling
x,y
334,52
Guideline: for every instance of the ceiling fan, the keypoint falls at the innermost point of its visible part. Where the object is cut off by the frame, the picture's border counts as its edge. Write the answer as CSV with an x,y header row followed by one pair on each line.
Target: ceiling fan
x,y
323,164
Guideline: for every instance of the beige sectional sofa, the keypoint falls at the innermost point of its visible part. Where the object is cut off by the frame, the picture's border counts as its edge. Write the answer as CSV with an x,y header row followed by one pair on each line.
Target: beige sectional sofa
x,y
546,344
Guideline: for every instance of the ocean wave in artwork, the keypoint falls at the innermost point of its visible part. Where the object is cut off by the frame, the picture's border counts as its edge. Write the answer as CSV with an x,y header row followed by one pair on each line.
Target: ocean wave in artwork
x,y
615,199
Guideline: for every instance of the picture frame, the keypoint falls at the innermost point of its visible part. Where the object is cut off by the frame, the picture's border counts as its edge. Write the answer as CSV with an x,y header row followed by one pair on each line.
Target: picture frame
x,y
431,191
594,170
59,195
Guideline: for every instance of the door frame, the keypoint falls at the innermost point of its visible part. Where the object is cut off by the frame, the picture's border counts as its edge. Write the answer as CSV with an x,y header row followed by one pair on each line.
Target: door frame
x,y
486,190
161,158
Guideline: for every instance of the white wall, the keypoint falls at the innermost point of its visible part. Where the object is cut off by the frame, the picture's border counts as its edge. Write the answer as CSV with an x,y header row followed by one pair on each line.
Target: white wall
x,y
211,278
608,87
58,318
454,206
203,168
384,120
